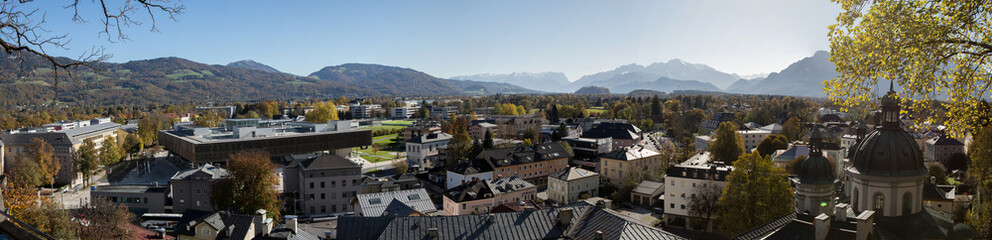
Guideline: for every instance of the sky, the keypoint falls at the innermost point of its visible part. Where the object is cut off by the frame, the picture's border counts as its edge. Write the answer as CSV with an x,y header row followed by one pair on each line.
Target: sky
x,y
451,38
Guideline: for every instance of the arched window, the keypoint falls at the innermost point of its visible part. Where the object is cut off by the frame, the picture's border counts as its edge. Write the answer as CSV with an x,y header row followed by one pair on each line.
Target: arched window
x,y
907,203
855,200
879,204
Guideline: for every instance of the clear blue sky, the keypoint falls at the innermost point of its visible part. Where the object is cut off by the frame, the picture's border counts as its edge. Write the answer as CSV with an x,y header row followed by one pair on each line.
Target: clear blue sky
x,y
448,38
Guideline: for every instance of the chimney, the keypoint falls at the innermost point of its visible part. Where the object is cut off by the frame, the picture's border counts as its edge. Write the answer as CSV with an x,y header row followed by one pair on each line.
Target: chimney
x,y
263,224
822,225
230,231
432,232
491,218
840,211
933,180
565,216
291,223
599,235
866,221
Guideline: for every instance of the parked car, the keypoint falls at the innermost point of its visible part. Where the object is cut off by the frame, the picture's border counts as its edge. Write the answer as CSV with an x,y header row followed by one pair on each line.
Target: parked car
x,y
627,205
659,210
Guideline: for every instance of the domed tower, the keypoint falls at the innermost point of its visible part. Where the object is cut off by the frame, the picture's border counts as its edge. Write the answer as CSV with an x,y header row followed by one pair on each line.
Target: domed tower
x,y
816,184
887,171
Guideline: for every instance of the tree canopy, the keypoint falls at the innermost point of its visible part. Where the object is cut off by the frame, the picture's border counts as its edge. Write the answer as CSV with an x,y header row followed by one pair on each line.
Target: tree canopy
x,y
934,50
772,143
756,193
248,186
728,144
322,112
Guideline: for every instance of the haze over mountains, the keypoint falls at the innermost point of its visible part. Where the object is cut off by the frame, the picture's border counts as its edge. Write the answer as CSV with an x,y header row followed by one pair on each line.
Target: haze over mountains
x,y
803,78
177,80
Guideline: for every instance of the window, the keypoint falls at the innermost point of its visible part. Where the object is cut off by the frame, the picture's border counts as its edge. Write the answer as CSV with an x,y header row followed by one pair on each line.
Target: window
x,y
672,206
311,196
683,206
205,231
879,204
321,196
323,208
321,184
312,210
311,185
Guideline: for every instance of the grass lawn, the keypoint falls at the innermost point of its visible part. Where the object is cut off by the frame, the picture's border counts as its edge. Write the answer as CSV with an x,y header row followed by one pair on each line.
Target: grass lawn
x,y
596,110
384,127
182,73
385,140
378,156
398,122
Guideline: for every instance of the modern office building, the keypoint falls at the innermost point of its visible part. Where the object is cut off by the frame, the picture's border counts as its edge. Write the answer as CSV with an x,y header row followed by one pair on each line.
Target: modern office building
x,y
402,112
138,198
201,145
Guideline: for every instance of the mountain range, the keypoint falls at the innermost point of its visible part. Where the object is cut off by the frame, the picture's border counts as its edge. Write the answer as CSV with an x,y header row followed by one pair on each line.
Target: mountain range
x,y
27,80
802,78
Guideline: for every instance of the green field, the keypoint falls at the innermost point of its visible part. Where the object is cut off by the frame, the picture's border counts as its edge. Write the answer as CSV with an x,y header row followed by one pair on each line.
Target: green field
x,y
596,110
385,140
398,122
383,127
184,73
377,156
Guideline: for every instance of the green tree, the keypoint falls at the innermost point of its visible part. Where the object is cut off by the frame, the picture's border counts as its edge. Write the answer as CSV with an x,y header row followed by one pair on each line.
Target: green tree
x,y
110,152
756,192
656,106
401,166
132,144
792,129
42,154
322,113
148,128
50,217
248,186
937,171
27,171
980,168
87,159
727,144
107,220
423,112
772,143
930,48
487,142
209,119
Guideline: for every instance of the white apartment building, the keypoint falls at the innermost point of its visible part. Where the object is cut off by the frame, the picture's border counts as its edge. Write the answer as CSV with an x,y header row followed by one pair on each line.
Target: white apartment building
x,y
686,180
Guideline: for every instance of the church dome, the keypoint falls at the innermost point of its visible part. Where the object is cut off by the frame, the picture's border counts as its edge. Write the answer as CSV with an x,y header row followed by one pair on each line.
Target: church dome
x,y
816,170
889,151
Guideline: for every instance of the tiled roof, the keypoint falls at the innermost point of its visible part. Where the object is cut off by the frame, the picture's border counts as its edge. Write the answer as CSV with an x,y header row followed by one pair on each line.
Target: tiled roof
x,y
945,140
523,154
469,191
507,185
585,223
573,173
471,167
221,221
429,138
766,229
375,204
630,153
613,130
648,187
329,161
213,171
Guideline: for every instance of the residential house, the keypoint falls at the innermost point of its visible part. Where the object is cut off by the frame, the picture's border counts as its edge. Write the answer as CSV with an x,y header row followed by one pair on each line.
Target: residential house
x,y
327,183
482,195
421,128
531,163
572,184
476,169
752,138
615,164
940,149
398,203
620,133
191,188
683,181
647,193
421,147
203,225
477,130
